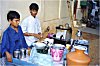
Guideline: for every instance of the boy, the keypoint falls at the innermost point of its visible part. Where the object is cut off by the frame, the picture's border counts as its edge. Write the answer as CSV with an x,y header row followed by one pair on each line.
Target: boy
x,y
13,37
31,26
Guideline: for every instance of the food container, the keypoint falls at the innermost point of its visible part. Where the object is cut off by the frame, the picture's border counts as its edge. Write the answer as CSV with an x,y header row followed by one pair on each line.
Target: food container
x,y
57,52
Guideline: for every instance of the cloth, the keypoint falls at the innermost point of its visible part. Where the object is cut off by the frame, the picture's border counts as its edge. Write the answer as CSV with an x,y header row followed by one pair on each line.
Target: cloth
x,y
83,4
40,59
93,12
31,25
12,40
16,62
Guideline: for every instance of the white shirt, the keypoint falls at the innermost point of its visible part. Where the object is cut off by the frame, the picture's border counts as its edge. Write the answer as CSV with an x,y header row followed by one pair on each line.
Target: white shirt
x,y
31,25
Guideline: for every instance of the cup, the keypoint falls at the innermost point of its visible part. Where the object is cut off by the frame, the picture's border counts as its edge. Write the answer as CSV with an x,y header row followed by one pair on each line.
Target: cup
x,y
16,54
22,53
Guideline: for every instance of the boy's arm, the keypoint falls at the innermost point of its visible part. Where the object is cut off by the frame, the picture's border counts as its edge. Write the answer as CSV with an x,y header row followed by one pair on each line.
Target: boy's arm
x,y
24,29
4,44
23,38
24,42
8,56
39,35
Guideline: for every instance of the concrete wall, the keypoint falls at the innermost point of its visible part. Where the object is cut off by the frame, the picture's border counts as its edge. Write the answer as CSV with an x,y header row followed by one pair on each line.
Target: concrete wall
x,y
51,12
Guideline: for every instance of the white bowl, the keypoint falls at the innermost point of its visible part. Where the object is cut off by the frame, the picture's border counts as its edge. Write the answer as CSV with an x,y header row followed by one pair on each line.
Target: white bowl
x,y
40,45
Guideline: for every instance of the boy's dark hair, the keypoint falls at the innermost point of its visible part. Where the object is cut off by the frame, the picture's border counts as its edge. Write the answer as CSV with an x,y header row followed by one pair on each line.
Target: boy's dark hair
x,y
34,6
13,14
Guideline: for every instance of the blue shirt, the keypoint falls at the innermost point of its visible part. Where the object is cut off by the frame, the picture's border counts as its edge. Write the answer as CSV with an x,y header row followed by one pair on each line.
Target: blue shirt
x,y
12,40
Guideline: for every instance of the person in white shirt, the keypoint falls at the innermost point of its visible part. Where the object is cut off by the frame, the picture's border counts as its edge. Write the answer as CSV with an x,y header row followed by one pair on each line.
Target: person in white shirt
x,y
31,26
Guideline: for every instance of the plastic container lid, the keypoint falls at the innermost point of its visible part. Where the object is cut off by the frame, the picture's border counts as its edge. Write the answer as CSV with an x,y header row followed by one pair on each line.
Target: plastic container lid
x,y
80,47
85,42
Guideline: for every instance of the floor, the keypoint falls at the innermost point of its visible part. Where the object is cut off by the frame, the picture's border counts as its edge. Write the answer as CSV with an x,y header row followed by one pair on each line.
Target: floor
x,y
92,35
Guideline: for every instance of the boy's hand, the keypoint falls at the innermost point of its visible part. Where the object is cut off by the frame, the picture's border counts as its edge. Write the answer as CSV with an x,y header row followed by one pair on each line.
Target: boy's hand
x,y
9,57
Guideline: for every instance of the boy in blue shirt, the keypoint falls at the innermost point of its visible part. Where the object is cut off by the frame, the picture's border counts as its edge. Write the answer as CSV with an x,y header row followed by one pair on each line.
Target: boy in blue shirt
x,y
13,37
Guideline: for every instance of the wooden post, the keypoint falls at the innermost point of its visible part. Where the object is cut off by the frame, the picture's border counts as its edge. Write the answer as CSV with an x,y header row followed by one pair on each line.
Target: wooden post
x,y
74,30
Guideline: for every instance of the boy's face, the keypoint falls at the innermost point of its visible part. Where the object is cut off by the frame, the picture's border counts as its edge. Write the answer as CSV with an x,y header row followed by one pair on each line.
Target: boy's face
x,y
15,22
33,12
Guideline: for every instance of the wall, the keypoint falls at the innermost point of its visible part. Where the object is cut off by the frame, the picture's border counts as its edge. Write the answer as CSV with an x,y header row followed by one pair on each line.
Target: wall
x,y
51,12
55,13
78,12
0,19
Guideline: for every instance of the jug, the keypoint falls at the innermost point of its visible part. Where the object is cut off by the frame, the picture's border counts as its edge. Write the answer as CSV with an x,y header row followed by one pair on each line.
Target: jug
x,y
57,52
78,57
